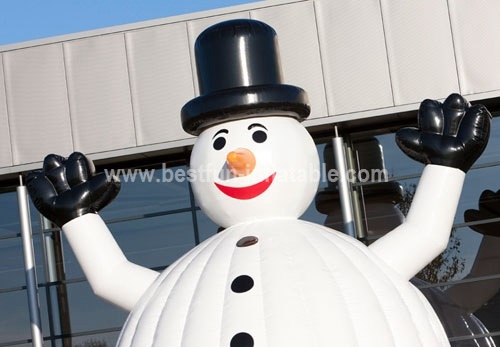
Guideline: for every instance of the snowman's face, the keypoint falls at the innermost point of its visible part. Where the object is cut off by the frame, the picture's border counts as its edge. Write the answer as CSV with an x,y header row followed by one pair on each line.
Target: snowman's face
x,y
253,169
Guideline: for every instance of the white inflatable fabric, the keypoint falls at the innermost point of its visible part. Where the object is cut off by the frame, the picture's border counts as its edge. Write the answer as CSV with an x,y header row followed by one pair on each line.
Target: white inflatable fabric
x,y
288,151
289,283
302,284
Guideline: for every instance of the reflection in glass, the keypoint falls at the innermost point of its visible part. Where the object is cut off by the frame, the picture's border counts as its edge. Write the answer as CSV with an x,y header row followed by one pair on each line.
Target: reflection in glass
x,y
491,153
11,263
96,340
155,242
206,227
466,309
149,195
456,320
395,161
468,255
14,317
476,182
9,215
486,316
88,312
378,211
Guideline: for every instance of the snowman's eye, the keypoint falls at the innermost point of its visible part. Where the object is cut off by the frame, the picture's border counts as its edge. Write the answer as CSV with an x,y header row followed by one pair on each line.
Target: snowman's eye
x,y
219,143
259,136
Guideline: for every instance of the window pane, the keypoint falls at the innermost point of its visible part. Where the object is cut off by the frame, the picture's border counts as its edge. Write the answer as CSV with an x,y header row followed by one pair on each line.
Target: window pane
x,y
155,241
88,312
386,204
161,192
150,242
475,342
478,255
14,317
325,153
395,161
312,214
206,227
9,214
380,198
476,182
381,206
468,309
12,262
491,153
96,340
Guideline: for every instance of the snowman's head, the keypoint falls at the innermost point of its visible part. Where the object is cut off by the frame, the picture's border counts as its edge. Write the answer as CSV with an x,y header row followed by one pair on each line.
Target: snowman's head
x,y
254,168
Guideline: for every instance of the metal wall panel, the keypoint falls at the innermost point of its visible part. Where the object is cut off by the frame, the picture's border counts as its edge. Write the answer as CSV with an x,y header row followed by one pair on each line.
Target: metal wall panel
x,y
476,33
195,28
5,148
354,56
420,49
37,103
99,93
295,25
161,83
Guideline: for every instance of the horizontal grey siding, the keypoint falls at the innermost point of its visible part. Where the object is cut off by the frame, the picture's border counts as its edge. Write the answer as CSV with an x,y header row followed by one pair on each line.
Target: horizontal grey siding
x,y
118,92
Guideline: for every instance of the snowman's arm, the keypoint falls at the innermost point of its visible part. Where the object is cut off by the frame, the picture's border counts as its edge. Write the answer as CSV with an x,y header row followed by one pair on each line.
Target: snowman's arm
x,y
111,276
426,231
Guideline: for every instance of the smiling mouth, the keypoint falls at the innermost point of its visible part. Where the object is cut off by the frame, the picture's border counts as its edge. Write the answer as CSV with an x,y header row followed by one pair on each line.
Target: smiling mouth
x,y
249,192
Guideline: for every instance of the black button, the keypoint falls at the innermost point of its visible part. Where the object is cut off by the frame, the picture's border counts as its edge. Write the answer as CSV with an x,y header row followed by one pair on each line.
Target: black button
x,y
242,284
247,241
242,340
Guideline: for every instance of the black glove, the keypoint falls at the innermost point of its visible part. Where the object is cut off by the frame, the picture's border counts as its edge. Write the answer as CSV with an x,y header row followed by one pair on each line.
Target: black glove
x,y
452,133
489,207
69,188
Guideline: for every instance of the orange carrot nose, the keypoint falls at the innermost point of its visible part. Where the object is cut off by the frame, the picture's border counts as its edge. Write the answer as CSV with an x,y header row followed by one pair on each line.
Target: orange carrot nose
x,y
240,162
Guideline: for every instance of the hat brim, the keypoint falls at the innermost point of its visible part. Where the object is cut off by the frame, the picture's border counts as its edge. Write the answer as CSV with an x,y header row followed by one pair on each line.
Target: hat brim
x,y
243,102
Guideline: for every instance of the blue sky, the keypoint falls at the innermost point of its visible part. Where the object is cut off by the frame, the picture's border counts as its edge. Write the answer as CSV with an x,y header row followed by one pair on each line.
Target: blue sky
x,y
23,20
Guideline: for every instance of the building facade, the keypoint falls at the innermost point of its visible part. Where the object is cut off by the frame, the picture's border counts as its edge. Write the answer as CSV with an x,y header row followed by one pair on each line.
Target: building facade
x,y
116,93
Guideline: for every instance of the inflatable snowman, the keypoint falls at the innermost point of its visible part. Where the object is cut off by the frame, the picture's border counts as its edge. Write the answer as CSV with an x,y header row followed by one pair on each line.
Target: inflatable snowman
x,y
269,279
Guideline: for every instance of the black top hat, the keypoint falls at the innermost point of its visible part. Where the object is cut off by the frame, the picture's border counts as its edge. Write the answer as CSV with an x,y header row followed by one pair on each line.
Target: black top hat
x,y
239,76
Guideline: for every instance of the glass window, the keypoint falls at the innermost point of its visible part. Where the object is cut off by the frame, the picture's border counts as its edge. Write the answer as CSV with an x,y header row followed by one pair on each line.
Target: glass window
x,y
491,153
9,215
471,306
96,340
468,309
151,242
87,312
157,241
156,190
14,320
395,161
206,227
153,223
476,182
12,263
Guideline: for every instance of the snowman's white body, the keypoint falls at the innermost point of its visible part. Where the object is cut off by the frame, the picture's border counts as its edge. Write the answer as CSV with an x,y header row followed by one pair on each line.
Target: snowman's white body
x,y
312,286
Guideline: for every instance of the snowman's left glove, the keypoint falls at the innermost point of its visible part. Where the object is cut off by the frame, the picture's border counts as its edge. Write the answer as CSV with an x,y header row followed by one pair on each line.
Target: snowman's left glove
x,y
69,188
452,133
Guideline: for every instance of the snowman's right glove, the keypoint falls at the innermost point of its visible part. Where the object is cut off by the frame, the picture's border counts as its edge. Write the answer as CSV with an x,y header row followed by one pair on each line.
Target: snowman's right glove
x,y
69,188
452,133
